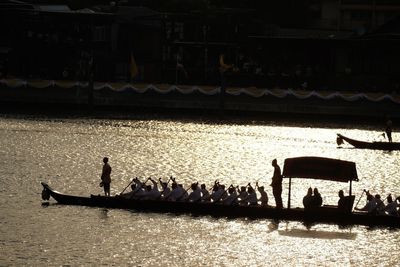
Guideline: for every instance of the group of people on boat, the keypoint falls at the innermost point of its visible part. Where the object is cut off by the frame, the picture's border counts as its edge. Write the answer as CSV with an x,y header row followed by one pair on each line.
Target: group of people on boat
x,y
376,206
311,200
244,195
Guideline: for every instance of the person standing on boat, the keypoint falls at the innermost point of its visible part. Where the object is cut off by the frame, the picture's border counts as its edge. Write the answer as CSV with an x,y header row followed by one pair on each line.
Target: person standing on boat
x,y
277,184
106,176
388,129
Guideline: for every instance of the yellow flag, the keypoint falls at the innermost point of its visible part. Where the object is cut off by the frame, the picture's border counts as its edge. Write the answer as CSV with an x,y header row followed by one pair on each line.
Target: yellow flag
x,y
222,65
133,69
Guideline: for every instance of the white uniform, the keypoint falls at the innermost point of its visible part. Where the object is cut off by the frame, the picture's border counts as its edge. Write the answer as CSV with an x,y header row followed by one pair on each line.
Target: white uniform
x,y
231,199
252,198
217,195
195,195
205,194
391,209
174,194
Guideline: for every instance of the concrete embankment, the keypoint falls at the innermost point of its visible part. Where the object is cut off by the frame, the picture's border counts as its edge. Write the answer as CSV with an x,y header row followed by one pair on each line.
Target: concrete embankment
x,y
77,96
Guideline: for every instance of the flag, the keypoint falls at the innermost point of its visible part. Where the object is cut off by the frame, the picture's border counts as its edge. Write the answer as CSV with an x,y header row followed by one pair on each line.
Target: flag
x,y
133,67
222,65
180,67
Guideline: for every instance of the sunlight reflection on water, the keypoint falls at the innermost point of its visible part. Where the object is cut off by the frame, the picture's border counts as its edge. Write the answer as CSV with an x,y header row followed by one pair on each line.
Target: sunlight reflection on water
x,y
67,154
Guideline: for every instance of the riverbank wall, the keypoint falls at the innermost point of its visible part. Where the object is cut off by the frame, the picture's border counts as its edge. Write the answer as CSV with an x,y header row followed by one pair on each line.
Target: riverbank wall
x,y
82,95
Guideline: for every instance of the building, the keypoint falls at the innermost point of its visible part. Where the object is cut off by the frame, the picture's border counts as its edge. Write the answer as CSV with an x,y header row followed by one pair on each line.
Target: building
x,y
310,44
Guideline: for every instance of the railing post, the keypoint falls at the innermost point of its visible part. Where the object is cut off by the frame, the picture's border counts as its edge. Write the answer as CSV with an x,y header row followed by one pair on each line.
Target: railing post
x,y
290,191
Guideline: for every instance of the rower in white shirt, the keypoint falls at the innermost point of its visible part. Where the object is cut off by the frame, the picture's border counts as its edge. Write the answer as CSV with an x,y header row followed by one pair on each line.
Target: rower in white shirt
x,y
137,189
391,207
243,195
151,192
218,194
165,190
175,193
231,199
205,195
264,196
195,195
140,188
371,204
183,193
251,198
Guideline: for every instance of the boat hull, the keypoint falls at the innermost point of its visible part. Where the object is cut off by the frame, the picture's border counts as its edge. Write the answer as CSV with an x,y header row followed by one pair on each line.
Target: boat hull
x,y
322,215
371,145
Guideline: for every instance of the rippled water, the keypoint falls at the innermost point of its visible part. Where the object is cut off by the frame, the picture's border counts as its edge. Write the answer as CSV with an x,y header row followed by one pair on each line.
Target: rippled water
x,y
67,154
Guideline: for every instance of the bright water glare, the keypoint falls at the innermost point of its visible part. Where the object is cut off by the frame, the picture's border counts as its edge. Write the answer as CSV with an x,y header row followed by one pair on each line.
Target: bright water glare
x,y
67,153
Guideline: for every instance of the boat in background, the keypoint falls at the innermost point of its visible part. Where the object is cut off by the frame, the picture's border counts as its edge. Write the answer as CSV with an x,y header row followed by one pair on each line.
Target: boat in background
x,y
368,145
301,167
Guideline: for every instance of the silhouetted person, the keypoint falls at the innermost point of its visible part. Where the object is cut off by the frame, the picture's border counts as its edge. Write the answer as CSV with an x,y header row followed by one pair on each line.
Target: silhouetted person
x,y
344,202
106,176
307,199
195,195
316,199
277,184
371,204
388,130
232,197
205,195
264,196
391,206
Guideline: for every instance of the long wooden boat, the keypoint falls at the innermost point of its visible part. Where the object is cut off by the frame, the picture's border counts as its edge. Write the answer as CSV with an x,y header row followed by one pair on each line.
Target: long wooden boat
x,y
305,167
368,145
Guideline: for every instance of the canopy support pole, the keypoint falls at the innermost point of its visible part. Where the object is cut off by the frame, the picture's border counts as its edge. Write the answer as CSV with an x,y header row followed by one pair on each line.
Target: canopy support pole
x,y
290,191
350,189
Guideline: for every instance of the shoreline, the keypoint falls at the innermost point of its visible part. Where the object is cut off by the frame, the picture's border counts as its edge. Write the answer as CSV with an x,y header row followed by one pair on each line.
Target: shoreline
x,y
68,98
73,111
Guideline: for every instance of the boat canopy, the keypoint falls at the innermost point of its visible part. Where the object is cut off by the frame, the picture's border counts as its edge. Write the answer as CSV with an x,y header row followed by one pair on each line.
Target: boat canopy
x,y
320,168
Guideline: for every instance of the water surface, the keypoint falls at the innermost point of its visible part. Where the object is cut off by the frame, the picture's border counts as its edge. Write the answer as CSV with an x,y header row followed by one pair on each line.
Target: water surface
x,y
67,153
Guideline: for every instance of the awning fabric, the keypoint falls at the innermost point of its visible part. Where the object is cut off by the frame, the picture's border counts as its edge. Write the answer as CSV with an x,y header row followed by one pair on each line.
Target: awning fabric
x,y
320,168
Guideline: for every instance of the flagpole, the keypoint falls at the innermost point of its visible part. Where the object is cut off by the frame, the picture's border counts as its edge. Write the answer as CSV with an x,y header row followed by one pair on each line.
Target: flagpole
x,y
176,70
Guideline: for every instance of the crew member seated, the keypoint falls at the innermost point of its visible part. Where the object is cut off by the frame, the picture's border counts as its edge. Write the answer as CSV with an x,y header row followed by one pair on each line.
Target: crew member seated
x,y
370,206
345,203
316,199
307,199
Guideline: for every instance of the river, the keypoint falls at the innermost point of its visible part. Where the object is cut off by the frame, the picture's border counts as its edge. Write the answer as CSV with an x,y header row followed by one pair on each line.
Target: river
x,y
67,153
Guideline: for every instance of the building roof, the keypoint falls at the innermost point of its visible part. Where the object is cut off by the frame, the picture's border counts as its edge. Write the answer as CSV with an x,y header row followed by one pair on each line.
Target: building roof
x,y
132,14
389,30
295,33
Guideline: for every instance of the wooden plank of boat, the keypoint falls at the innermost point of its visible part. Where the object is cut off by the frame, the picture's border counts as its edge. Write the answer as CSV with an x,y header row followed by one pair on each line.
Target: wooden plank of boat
x,y
368,145
322,214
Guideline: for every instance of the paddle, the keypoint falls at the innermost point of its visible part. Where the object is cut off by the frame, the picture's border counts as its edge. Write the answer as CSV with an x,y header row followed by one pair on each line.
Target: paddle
x,y
133,179
210,190
142,184
355,207
240,192
223,194
215,183
170,178
184,192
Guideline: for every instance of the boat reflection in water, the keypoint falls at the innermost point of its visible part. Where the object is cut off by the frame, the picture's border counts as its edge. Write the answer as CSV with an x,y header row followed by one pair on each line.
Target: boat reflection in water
x,y
319,234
